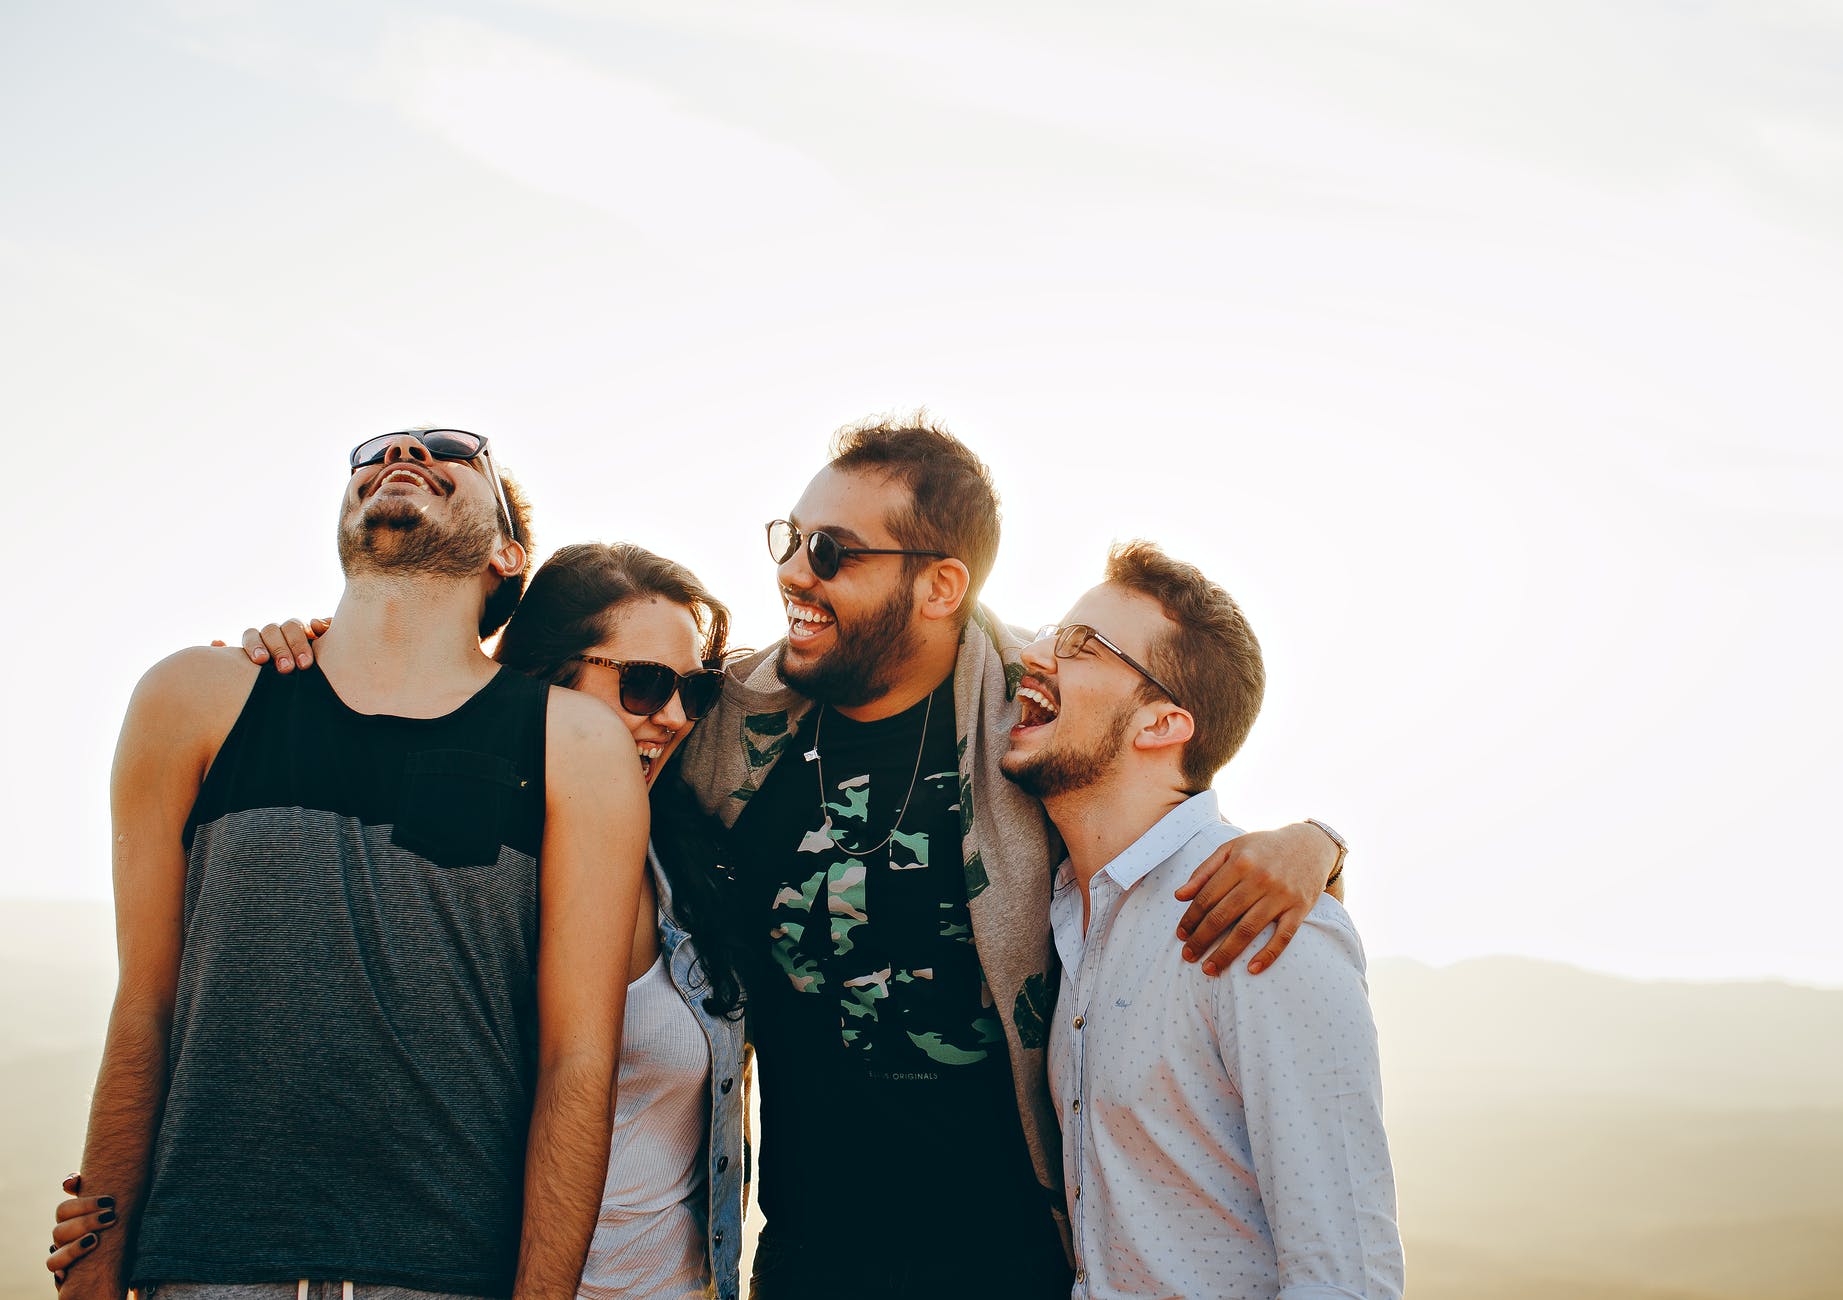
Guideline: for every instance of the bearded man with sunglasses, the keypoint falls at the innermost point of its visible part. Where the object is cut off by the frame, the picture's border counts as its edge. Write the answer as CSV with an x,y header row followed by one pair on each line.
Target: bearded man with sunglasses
x,y
349,1049
892,895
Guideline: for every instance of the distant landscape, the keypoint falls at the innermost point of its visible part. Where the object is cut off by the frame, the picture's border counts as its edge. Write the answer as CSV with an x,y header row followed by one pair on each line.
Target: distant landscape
x,y
1556,1133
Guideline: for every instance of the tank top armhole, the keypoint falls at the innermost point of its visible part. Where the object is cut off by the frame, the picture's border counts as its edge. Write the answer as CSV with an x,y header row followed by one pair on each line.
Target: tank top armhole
x,y
211,789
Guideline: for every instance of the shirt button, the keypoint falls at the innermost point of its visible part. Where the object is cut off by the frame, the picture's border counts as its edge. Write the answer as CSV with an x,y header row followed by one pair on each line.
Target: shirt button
x,y
1078,1191
1081,1275
1078,1022
723,1162
728,1084
716,1238
1078,1105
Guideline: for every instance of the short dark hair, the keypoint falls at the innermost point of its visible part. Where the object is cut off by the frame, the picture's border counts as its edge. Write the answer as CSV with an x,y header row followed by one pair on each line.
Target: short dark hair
x,y
1209,657
505,596
953,506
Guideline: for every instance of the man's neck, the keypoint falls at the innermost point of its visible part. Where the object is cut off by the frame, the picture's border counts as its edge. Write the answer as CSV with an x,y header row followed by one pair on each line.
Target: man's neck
x,y
925,670
406,645
1100,822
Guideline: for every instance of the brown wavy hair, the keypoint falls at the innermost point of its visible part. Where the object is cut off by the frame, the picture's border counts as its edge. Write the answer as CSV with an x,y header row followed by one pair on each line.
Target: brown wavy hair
x,y
572,604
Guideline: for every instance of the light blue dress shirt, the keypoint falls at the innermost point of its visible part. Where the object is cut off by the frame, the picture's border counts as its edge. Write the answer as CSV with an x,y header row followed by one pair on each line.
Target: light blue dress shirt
x,y
1221,1137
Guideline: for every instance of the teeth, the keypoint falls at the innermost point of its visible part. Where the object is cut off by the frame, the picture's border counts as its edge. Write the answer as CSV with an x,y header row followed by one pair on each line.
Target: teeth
x,y
1038,698
406,476
807,614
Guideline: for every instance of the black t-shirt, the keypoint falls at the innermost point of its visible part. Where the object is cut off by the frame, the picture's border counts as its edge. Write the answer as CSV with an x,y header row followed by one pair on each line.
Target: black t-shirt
x,y
889,1122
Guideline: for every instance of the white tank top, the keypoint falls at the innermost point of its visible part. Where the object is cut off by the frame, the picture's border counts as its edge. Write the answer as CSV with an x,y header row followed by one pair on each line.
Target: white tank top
x,y
649,1239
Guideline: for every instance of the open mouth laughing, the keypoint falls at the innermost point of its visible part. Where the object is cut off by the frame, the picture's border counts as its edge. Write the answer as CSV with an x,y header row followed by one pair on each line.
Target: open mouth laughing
x,y
651,752
405,475
806,622
1037,706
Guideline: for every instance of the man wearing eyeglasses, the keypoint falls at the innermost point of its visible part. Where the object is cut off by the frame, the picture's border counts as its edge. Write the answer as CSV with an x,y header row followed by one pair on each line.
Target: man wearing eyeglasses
x,y
1220,1137
893,892
348,1047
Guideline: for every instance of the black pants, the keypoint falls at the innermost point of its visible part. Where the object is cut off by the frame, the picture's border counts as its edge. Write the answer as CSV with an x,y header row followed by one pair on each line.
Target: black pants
x,y
789,1268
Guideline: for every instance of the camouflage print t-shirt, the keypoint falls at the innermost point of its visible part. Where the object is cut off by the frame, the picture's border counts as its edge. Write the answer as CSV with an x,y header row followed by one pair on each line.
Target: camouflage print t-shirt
x,y
888,1120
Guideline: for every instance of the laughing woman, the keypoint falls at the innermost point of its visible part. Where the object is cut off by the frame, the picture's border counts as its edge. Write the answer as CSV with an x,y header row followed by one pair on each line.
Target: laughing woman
x,y
643,635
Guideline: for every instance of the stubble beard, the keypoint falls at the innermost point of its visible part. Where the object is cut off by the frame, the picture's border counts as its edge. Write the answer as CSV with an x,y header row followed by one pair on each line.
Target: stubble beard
x,y
1052,771
394,537
863,664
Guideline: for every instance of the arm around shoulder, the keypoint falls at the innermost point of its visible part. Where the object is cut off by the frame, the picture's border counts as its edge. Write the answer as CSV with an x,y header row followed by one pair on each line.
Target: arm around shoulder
x,y
594,850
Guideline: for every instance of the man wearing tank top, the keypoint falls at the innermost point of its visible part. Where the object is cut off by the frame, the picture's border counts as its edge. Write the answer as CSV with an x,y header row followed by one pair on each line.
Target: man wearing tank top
x,y
892,893
373,927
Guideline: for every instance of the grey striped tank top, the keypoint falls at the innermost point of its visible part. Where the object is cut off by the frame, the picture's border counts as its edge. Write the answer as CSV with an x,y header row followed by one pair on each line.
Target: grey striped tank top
x,y
353,1047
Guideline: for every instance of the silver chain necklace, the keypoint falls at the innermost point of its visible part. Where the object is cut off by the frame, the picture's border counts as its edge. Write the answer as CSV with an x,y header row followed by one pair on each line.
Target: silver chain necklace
x,y
825,811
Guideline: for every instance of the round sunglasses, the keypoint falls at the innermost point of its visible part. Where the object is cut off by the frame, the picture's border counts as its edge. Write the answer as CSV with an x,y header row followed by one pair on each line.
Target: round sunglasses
x,y
824,552
442,444
647,687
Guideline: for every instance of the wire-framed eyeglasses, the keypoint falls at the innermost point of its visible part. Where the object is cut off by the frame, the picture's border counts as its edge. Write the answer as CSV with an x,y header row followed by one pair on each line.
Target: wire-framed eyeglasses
x,y
1072,638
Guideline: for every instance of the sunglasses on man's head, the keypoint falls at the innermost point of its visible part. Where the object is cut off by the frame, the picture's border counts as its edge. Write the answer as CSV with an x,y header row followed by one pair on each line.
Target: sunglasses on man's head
x,y
647,687
442,444
824,552
1073,639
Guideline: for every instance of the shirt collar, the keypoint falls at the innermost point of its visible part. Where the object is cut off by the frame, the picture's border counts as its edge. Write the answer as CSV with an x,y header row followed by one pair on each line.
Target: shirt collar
x,y
1165,837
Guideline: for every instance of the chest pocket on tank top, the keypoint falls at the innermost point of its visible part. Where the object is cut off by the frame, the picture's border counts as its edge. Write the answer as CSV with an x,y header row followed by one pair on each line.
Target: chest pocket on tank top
x,y
453,806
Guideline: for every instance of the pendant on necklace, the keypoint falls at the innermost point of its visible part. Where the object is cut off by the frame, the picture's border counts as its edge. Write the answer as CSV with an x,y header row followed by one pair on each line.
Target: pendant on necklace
x,y
812,754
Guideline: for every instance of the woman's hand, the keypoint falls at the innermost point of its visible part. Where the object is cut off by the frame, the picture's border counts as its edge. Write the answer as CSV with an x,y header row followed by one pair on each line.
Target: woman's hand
x,y
289,644
79,1221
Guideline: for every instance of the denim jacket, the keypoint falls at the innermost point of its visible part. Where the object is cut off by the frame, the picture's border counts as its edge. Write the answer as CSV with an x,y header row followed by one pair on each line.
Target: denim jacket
x,y
725,1148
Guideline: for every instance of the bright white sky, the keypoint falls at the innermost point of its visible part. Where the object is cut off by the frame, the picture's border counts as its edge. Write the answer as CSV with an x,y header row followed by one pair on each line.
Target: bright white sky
x,y
1480,349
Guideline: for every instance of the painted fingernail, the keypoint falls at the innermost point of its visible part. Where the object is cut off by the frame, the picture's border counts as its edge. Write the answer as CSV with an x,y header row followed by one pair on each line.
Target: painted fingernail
x,y
307,657
89,1239
105,1202
1190,954
1256,967
1210,968
107,1216
284,662
53,1250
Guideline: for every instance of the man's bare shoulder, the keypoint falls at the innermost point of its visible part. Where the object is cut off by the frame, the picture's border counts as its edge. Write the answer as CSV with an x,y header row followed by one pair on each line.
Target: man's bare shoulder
x,y
182,709
580,728
590,755
197,682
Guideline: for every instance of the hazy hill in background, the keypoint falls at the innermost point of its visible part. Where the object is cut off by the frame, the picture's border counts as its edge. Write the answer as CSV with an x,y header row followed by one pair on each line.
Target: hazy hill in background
x,y
1556,1133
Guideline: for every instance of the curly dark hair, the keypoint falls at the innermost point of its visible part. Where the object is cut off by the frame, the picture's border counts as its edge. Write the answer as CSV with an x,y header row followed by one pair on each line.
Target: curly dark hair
x,y
953,506
505,597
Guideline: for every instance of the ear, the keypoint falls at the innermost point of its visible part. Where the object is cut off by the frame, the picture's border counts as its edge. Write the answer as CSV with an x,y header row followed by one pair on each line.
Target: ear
x,y
1171,726
509,558
943,586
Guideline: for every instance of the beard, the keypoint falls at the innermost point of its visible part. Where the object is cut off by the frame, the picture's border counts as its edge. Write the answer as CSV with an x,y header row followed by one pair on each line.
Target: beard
x,y
863,663
1054,771
389,535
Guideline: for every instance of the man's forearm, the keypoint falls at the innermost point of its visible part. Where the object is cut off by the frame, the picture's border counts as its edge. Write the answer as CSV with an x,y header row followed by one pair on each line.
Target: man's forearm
x,y
566,1161
118,1149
